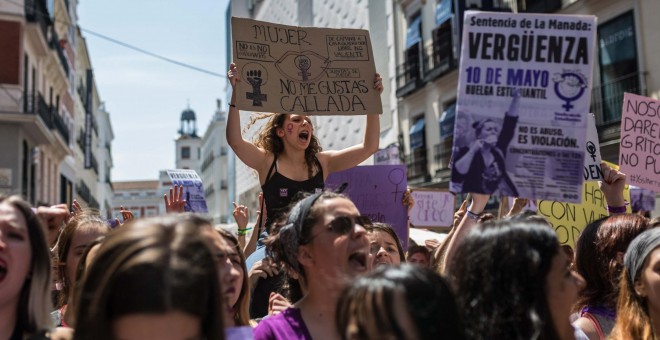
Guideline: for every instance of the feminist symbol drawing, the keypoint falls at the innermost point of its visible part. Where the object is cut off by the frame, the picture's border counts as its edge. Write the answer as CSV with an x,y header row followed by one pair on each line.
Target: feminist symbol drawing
x,y
569,86
257,76
396,176
591,149
303,64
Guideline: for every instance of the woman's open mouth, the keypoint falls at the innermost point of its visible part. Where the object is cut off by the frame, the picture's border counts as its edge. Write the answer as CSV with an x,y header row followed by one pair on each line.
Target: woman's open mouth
x,y
358,261
303,136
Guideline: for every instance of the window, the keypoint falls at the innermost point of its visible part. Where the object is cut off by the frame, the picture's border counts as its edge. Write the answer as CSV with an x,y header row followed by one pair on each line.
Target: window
x,y
619,71
185,152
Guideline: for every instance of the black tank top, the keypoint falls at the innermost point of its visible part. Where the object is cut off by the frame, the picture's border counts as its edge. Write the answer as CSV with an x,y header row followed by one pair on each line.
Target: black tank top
x,y
280,191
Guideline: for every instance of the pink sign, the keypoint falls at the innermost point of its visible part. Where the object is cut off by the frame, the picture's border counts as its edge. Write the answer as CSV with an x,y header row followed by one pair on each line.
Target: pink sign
x,y
639,152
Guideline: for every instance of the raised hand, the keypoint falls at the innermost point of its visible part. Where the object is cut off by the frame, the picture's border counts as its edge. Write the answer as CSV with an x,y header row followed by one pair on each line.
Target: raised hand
x,y
52,219
241,215
232,75
76,208
176,203
612,186
262,269
127,215
517,206
378,83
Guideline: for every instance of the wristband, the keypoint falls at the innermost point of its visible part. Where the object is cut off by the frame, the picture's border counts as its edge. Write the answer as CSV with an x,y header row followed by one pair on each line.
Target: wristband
x,y
243,231
472,215
617,210
232,105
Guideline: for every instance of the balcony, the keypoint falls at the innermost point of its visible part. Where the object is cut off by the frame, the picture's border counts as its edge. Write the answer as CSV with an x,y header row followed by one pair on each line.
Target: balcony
x,y
36,12
55,44
86,194
439,58
441,157
94,163
60,127
417,165
408,75
607,99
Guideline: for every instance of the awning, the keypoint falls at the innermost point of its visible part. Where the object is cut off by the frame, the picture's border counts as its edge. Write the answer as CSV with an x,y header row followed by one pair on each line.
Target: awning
x,y
414,33
447,121
417,134
442,11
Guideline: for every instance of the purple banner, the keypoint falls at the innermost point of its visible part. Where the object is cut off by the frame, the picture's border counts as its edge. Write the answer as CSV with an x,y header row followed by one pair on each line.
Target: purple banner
x,y
377,191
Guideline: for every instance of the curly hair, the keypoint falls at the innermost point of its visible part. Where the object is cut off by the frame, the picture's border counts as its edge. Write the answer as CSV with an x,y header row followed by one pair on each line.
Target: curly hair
x,y
268,139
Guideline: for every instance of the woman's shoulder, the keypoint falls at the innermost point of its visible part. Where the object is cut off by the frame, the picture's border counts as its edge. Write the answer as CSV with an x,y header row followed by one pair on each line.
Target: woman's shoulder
x,y
288,324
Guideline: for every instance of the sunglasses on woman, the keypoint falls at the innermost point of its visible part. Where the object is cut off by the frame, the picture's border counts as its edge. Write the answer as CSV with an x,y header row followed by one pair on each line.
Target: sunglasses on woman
x,y
343,225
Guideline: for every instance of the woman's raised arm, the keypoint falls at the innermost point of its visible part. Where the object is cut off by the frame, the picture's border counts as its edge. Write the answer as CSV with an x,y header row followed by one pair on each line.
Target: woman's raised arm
x,y
349,157
248,153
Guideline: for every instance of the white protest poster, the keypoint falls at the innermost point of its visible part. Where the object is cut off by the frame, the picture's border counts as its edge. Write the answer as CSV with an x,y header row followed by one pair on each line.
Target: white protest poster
x,y
523,91
592,159
193,189
432,208
304,70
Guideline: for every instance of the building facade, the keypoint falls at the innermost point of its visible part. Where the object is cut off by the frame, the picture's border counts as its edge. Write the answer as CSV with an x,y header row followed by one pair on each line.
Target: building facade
x,y
214,168
427,48
40,68
142,198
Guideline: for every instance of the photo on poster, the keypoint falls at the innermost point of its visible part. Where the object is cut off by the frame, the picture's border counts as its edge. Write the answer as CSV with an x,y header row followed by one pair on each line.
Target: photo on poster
x,y
523,97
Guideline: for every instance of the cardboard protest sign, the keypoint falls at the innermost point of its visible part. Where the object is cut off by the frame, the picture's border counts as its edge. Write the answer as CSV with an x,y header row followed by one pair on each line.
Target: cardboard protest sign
x,y
570,219
641,199
523,93
377,191
592,159
193,189
433,208
303,70
639,152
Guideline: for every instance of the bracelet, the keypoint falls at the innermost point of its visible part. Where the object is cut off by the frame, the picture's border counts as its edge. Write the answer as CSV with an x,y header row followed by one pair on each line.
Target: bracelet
x,y
232,105
243,231
472,215
617,210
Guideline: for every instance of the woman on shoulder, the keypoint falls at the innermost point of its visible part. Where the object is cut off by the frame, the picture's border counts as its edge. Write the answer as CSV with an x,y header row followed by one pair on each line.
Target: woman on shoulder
x,y
288,157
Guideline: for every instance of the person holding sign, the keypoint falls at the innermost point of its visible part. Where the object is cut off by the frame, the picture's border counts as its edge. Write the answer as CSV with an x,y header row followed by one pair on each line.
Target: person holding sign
x,y
288,157
481,167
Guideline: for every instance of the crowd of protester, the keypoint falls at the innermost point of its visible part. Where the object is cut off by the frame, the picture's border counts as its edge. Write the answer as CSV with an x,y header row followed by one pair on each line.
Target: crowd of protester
x,y
315,268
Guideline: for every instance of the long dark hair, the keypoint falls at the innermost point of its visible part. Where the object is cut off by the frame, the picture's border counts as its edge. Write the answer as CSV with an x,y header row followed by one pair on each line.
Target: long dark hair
x,y
596,257
499,275
367,308
241,309
152,265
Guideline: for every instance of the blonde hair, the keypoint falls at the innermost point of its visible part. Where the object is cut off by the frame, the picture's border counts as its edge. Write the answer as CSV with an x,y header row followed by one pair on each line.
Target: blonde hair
x,y
632,317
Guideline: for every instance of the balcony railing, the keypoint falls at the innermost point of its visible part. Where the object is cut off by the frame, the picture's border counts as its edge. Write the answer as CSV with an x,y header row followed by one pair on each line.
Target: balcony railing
x,y
441,156
439,58
55,44
408,74
607,99
417,164
36,11
60,127
95,164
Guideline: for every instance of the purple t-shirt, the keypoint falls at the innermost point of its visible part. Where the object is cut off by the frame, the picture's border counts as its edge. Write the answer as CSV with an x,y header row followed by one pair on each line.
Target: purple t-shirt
x,y
287,325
